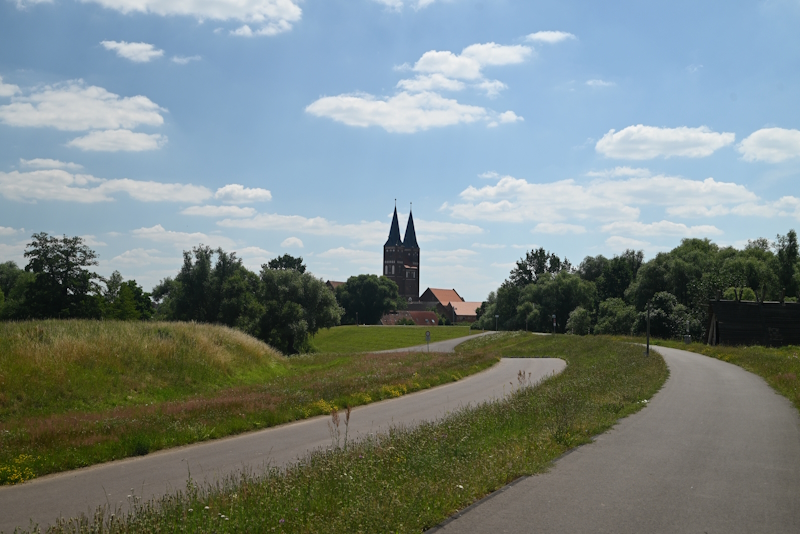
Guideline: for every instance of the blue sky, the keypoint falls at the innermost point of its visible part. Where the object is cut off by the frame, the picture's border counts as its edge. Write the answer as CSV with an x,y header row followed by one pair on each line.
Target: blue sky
x,y
272,126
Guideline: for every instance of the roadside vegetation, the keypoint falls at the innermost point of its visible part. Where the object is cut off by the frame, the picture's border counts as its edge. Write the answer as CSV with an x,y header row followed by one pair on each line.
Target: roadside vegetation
x,y
371,338
412,479
77,392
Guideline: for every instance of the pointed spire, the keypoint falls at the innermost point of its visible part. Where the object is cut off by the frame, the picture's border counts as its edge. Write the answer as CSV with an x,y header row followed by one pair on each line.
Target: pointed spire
x,y
410,240
394,233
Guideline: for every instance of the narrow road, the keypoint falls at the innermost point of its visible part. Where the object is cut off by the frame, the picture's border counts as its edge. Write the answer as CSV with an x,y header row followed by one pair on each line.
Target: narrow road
x,y
69,494
715,451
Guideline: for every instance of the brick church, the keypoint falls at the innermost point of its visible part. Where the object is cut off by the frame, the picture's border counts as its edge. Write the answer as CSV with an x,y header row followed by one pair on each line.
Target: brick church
x,y
401,259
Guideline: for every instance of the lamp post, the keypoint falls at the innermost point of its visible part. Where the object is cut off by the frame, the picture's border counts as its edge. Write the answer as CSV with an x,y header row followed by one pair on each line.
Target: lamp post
x,y
647,350
495,322
554,324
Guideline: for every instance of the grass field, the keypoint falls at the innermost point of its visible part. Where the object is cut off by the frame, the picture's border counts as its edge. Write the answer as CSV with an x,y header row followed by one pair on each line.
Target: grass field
x,y
77,393
371,338
410,480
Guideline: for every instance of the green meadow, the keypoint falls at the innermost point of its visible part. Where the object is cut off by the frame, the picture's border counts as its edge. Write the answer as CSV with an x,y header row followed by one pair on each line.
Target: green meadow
x,y
373,338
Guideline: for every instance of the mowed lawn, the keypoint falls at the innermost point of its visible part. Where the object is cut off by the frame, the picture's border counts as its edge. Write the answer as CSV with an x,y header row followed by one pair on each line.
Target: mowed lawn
x,y
373,338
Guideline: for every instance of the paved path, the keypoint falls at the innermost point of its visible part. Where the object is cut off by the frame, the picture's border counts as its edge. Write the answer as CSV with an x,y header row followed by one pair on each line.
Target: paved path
x,y
69,494
716,451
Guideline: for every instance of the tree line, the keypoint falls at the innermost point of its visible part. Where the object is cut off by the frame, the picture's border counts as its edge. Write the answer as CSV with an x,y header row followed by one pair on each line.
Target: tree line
x,y
609,295
283,305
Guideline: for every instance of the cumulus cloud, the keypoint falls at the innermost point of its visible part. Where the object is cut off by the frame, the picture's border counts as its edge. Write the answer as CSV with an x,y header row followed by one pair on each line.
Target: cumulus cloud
x,y
254,257
239,194
771,145
92,241
7,230
419,106
219,211
118,140
45,163
360,257
74,106
549,37
58,184
647,142
183,240
183,60
8,89
270,16
660,228
599,83
140,257
558,228
136,52
616,242
294,242
402,113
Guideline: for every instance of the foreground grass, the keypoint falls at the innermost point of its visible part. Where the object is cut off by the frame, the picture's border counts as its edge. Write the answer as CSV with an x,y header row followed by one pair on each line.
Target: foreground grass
x,y
78,393
780,367
412,479
372,338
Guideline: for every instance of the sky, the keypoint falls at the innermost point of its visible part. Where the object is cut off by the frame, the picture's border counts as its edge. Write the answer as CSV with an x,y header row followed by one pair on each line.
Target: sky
x,y
267,127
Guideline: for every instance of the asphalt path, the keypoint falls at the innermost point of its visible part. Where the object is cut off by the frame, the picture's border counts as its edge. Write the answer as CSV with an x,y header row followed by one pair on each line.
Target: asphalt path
x,y
715,451
81,491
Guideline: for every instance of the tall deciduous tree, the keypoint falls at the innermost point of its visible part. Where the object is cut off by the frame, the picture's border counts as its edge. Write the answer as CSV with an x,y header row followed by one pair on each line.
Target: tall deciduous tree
x,y
786,246
368,295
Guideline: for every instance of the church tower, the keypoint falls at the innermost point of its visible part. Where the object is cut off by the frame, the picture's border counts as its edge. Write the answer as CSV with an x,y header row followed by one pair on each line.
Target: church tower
x,y
401,258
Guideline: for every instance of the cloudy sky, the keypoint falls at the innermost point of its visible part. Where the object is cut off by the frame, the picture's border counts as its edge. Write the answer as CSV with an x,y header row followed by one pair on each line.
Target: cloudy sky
x,y
272,126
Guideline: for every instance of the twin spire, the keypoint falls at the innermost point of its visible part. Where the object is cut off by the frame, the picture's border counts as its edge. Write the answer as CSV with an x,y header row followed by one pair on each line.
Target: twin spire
x,y
410,239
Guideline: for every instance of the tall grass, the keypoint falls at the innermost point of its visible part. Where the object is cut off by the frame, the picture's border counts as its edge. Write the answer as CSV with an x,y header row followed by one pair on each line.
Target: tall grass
x,y
411,479
77,393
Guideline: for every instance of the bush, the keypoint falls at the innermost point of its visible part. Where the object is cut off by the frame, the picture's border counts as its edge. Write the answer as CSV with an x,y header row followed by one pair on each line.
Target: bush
x,y
579,321
615,317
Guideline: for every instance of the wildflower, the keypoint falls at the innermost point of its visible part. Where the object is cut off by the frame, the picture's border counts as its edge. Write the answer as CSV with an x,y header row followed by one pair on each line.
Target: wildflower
x,y
206,508
281,521
191,510
459,486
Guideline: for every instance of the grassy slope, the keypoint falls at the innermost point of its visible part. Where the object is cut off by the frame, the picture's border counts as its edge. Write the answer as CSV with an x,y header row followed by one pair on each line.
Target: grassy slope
x,y
76,393
411,480
367,338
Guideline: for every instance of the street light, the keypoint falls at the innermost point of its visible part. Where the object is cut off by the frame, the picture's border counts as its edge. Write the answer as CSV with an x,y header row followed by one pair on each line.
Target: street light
x,y
554,324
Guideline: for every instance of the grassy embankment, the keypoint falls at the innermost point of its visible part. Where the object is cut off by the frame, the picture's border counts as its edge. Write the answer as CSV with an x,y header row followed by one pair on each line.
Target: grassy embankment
x,y
412,479
780,367
366,338
77,393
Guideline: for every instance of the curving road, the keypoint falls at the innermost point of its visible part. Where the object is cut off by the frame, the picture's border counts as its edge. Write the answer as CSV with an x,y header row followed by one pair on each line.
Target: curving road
x,y
69,494
715,451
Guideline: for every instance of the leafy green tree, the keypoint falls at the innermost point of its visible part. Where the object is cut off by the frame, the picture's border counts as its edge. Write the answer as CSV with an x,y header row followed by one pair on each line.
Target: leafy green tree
x,y
615,317
536,263
9,272
287,262
367,295
557,296
579,321
787,255
592,267
296,305
618,273
63,286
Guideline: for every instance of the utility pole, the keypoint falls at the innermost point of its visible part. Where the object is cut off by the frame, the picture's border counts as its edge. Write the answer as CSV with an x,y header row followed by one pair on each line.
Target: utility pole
x,y
647,351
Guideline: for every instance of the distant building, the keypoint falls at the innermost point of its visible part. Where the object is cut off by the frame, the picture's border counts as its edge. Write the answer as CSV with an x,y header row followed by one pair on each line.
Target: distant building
x,y
451,305
420,318
772,324
401,259
332,285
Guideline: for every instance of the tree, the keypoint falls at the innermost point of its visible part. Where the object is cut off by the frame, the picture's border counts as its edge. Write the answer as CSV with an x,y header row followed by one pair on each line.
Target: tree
x,y
579,321
787,253
535,264
287,262
63,286
615,317
296,305
367,295
618,273
556,296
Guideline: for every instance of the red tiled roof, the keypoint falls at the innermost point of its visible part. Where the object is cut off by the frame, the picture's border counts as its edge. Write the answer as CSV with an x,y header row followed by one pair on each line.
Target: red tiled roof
x,y
444,296
466,308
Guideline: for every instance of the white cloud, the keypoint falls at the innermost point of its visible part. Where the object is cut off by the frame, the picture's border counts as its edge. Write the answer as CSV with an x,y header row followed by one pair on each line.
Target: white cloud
x,y
45,163
183,60
183,240
397,5
489,175
118,140
599,83
6,231
272,16
8,89
432,82
57,184
402,113
468,65
92,241
453,257
491,87
294,242
619,171
647,142
623,243
219,211
660,228
772,145
558,228
488,245
74,106
139,257
549,37
367,232
136,52
363,258
510,116
254,257
14,252
493,54
239,194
